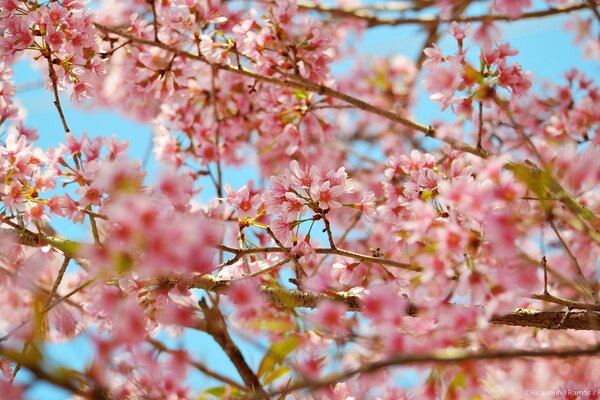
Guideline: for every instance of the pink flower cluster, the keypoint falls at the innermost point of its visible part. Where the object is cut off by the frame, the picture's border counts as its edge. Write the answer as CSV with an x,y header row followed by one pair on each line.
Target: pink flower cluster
x,y
62,33
7,90
152,237
300,189
447,75
286,44
22,177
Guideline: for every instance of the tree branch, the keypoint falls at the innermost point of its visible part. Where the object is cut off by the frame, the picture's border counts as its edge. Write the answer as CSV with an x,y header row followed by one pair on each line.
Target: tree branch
x,y
300,83
372,20
217,328
239,253
199,366
282,297
441,357
57,379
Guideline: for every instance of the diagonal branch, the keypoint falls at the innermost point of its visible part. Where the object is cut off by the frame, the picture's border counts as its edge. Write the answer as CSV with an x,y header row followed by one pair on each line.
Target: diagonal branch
x,y
199,366
298,82
217,328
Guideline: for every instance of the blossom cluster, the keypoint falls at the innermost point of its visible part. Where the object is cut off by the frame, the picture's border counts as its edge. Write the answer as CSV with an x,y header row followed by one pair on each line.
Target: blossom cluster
x,y
300,189
62,33
447,75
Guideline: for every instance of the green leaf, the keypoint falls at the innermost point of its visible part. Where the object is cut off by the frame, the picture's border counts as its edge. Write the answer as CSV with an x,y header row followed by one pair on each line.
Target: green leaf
x,y
276,374
273,325
277,354
458,381
301,94
221,391
267,148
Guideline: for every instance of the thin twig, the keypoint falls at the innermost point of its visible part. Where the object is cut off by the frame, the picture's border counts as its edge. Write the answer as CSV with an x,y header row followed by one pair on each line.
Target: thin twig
x,y
57,281
154,19
594,8
199,366
590,291
545,265
53,81
338,251
94,226
480,132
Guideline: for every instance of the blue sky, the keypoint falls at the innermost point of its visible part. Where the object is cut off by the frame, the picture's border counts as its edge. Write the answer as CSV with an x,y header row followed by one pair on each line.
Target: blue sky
x,y
545,49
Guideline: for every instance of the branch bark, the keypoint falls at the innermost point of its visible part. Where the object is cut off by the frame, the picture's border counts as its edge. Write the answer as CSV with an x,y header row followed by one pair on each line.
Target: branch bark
x,y
217,328
281,297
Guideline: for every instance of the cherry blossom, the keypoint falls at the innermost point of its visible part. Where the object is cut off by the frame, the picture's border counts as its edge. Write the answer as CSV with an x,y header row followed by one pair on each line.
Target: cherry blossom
x,y
371,241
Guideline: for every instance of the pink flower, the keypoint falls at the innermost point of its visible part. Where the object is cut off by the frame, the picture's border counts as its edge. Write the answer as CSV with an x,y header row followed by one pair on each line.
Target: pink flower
x,y
91,195
513,8
244,200
303,249
459,32
326,195
442,78
246,296
329,316
281,228
367,206
434,56
178,188
383,304
129,322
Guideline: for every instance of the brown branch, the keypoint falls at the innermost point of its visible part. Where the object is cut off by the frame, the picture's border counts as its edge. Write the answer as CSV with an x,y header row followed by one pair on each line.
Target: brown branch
x,y
522,317
566,303
440,358
94,226
592,5
57,379
589,291
582,320
154,19
480,131
53,79
373,20
277,295
217,328
239,253
298,82
199,366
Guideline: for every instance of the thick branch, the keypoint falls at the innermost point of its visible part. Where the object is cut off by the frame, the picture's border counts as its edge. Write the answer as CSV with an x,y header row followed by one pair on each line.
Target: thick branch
x,y
199,366
298,298
582,320
522,317
217,328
